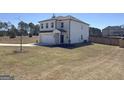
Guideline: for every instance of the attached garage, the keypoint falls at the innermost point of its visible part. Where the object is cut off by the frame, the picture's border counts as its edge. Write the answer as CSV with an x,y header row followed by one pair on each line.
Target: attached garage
x,y
47,39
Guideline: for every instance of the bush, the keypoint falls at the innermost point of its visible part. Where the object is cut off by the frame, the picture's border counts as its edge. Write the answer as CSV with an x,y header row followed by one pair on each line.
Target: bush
x,y
36,41
2,33
30,35
12,35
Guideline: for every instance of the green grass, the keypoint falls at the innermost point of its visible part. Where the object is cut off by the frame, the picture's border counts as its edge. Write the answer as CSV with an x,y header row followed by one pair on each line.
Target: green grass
x,y
95,61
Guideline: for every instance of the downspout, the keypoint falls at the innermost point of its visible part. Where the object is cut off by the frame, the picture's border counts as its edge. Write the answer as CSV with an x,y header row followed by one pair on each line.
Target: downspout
x,y
55,24
69,31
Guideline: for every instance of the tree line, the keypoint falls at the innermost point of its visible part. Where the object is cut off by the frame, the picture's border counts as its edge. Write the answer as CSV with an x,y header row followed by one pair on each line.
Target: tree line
x,y
95,32
25,29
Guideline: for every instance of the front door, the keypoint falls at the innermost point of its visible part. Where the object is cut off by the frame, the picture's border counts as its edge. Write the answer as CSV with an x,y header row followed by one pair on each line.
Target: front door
x,y
61,39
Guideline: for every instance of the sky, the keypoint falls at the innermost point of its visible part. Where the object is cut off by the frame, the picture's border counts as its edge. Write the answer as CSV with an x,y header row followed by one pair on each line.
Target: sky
x,y
98,20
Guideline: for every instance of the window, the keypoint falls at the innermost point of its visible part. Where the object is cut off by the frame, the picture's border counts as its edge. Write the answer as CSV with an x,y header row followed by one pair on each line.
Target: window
x,y
62,25
41,26
81,37
46,25
52,25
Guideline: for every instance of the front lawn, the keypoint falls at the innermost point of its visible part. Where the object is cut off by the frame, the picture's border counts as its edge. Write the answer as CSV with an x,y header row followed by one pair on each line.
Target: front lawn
x,y
95,61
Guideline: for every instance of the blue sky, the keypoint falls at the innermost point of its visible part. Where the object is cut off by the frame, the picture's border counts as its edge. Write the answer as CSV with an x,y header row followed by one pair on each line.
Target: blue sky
x,y
99,20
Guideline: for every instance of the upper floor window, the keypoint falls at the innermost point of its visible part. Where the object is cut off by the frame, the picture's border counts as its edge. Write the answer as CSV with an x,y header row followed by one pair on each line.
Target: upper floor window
x,y
46,25
52,25
41,26
62,25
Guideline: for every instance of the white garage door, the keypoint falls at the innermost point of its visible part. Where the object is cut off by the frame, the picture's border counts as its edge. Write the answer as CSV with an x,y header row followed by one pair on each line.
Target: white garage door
x,y
48,39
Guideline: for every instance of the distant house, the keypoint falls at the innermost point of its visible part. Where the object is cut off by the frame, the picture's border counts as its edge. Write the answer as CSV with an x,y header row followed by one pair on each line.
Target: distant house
x,y
63,30
113,31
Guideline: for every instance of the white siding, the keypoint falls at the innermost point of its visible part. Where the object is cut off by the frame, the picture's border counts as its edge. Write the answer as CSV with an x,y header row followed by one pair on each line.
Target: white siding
x,y
49,25
66,28
66,25
76,30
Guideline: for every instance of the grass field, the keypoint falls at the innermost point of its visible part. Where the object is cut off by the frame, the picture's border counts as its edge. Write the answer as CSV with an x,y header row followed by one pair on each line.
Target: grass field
x,y
95,62
16,40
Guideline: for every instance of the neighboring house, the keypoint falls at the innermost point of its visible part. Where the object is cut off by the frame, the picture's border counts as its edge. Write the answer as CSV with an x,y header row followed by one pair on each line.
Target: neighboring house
x,y
113,31
63,30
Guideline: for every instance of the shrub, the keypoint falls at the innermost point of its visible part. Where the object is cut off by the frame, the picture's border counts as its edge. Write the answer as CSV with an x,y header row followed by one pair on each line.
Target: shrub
x,y
30,35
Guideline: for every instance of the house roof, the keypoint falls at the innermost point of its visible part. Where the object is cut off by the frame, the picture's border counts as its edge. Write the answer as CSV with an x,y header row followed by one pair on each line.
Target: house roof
x,y
64,18
114,27
61,30
47,31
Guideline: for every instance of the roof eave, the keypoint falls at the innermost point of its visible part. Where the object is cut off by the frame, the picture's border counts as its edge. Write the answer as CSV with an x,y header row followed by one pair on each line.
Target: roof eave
x,y
46,20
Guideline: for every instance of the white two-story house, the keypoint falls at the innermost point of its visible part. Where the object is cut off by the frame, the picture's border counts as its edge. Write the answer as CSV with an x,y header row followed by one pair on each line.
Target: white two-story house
x,y
63,30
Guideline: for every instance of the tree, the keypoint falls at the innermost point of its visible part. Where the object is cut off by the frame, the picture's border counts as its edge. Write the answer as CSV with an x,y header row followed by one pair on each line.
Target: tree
x,y
95,31
23,27
32,28
3,25
37,29
3,28
12,32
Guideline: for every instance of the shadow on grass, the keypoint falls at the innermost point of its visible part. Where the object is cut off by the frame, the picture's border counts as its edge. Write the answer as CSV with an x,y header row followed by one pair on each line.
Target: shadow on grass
x,y
68,46
16,52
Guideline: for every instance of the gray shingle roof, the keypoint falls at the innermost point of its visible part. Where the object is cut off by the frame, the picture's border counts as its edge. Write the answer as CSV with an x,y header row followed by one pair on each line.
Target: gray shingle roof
x,y
65,18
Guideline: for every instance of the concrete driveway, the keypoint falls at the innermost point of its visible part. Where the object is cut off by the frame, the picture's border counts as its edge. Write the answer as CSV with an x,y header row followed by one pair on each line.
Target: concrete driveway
x,y
25,45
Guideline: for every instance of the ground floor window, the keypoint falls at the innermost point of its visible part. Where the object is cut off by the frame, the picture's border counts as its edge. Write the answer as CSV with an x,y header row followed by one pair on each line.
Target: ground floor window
x,y
81,37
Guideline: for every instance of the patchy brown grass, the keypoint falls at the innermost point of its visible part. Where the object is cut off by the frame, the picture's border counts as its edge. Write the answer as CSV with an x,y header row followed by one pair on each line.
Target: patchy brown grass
x,y
95,62
16,40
